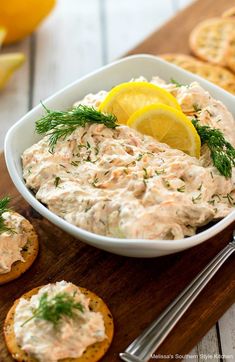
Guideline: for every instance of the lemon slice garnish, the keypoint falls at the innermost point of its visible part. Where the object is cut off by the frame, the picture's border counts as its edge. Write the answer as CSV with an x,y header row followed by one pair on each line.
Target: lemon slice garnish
x,y
168,125
126,98
8,64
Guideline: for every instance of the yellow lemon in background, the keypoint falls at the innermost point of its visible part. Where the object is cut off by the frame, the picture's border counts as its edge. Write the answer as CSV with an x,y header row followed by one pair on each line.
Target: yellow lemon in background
x,y
2,35
8,64
21,17
126,98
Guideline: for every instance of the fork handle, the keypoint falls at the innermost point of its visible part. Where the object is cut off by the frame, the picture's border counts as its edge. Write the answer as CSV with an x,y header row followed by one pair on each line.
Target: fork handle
x,y
146,344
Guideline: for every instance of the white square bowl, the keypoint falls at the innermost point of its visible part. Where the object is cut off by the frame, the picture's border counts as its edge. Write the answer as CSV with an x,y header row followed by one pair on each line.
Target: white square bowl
x,y
22,135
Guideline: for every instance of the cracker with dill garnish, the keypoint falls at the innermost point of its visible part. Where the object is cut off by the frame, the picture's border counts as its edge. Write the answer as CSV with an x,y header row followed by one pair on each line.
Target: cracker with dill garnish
x,y
93,353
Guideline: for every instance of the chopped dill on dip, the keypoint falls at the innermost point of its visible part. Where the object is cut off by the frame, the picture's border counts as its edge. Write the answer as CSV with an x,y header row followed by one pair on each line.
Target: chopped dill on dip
x,y
117,182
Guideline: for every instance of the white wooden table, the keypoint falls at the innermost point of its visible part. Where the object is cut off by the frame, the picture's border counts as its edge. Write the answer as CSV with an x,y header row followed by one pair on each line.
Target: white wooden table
x,y
78,37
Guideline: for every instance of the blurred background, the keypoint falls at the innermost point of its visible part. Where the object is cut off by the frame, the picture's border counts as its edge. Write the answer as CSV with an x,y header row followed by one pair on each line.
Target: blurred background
x,y
76,37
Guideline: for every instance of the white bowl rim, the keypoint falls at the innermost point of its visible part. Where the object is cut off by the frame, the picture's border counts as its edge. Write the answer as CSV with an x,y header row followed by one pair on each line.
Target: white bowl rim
x,y
172,245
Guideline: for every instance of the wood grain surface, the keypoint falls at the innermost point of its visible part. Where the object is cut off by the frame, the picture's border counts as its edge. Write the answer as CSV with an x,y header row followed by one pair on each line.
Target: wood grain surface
x,y
135,290
173,36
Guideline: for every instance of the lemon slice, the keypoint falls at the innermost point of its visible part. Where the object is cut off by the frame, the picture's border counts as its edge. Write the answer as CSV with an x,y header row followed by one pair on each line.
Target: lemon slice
x,y
8,64
168,125
126,98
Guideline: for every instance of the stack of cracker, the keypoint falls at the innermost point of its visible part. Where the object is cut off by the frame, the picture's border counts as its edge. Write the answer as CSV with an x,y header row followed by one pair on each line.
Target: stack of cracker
x,y
213,43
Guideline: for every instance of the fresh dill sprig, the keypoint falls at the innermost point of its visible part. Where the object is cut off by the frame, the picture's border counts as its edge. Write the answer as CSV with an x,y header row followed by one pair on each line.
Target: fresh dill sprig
x,y
145,173
4,208
60,124
230,199
57,181
198,197
177,84
181,189
196,107
53,309
160,172
222,152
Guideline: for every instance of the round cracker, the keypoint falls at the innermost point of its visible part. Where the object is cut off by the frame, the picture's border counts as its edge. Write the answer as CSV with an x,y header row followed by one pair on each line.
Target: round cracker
x,y
210,39
214,73
230,55
93,353
178,59
186,62
29,253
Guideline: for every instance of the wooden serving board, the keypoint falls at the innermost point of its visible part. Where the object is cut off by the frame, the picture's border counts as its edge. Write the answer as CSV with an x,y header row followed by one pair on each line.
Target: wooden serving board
x,y
136,290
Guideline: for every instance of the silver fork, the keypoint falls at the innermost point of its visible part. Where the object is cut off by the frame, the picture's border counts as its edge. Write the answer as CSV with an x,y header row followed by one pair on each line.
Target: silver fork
x,y
142,348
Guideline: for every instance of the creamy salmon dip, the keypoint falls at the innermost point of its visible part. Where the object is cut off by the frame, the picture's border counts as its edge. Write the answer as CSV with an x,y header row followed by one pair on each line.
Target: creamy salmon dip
x,y
120,183
11,242
42,340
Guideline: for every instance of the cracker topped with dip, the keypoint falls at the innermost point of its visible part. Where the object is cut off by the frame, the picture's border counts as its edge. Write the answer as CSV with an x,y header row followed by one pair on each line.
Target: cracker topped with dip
x,y
58,322
18,243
